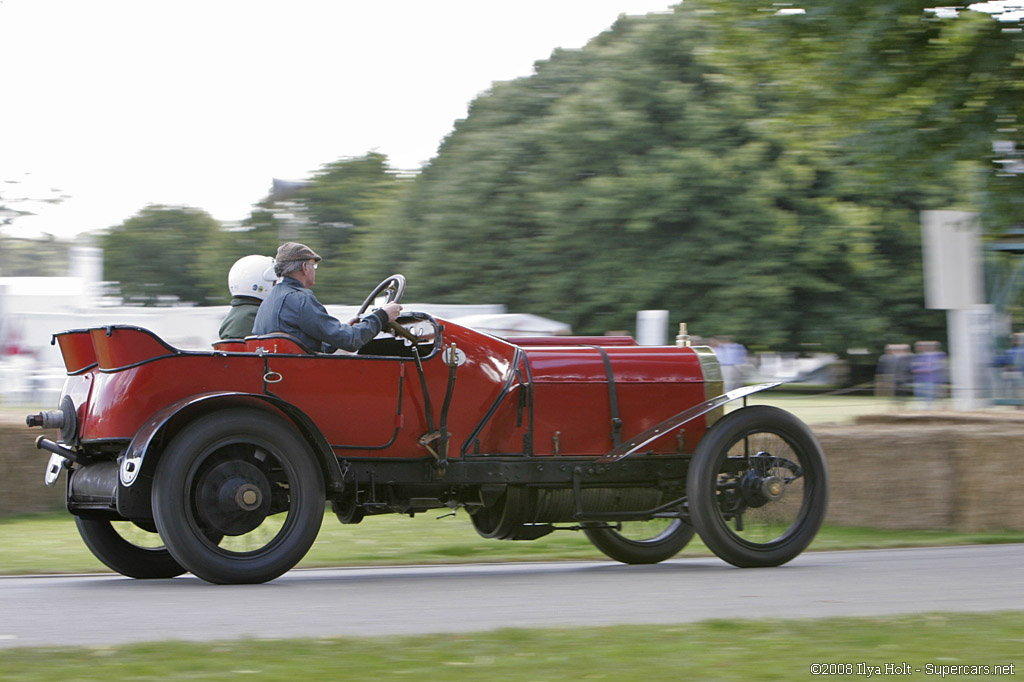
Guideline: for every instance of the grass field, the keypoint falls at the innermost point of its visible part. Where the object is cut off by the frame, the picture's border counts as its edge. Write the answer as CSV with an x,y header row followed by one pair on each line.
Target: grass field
x,y
931,646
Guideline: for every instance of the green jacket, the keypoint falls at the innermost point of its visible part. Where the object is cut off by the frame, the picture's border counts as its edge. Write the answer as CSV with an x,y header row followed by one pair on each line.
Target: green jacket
x,y
239,320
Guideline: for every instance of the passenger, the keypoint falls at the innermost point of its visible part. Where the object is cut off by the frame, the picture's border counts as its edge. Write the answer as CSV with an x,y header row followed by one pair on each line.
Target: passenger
x,y
249,281
292,308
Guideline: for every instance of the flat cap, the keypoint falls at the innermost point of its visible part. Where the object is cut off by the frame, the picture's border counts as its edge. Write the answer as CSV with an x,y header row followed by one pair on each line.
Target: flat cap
x,y
293,251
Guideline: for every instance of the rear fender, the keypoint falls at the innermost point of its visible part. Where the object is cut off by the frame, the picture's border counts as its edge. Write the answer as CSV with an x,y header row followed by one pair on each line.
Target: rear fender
x,y
143,452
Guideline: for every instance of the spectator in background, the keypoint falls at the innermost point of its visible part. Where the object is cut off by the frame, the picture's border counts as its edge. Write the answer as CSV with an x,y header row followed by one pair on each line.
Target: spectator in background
x,y
929,370
885,373
249,281
893,376
903,378
1013,369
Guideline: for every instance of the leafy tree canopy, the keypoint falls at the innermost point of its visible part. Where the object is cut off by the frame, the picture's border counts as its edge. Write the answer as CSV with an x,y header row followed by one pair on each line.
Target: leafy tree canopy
x,y
758,173
164,255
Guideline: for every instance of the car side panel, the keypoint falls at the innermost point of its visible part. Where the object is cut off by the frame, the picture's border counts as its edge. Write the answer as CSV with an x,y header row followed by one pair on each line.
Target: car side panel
x,y
573,401
504,399
122,400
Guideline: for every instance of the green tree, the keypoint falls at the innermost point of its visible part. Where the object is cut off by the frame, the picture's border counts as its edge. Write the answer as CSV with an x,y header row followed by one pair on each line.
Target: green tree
x,y
28,257
909,96
260,233
345,215
167,254
37,257
758,174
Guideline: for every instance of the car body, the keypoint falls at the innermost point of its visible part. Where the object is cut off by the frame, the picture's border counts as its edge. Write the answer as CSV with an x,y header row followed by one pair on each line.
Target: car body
x,y
230,455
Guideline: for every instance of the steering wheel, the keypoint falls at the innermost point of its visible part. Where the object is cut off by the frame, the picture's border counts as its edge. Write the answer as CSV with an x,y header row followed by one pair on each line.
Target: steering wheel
x,y
394,288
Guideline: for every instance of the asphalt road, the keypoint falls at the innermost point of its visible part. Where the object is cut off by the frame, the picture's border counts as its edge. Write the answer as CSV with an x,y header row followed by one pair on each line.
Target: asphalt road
x,y
107,609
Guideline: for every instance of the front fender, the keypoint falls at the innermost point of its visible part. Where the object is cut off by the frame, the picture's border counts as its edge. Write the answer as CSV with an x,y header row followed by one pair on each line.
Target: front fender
x,y
166,422
638,441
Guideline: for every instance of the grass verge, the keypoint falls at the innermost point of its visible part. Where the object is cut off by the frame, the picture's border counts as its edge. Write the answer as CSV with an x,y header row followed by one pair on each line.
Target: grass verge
x,y
713,650
49,543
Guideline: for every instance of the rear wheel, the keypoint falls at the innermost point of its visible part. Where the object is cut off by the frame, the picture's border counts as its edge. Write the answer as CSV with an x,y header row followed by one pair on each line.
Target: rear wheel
x,y
238,497
128,549
758,487
640,542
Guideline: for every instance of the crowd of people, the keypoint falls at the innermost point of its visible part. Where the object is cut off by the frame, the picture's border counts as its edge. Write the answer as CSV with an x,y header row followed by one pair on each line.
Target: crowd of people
x,y
922,372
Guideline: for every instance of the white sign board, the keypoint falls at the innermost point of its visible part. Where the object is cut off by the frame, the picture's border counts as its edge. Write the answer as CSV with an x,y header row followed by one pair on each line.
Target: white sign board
x,y
952,259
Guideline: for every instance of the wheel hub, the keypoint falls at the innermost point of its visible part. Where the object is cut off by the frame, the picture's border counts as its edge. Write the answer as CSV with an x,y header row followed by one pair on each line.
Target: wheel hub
x,y
248,497
757,490
234,497
772,488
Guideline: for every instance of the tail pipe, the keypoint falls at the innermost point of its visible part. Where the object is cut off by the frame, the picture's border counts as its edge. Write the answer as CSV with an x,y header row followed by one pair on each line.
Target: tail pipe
x,y
49,419
65,419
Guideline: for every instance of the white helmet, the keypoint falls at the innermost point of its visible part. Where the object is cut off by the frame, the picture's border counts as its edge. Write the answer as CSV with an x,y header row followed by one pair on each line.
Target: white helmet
x,y
252,276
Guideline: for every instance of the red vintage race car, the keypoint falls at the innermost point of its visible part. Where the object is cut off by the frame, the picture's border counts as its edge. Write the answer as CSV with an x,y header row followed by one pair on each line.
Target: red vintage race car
x,y
230,455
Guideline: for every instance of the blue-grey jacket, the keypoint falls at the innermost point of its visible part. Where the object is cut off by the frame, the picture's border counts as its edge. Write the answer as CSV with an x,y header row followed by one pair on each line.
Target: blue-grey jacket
x,y
292,308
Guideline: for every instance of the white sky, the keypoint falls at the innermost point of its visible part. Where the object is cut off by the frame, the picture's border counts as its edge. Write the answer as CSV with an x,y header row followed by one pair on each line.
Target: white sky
x,y
124,103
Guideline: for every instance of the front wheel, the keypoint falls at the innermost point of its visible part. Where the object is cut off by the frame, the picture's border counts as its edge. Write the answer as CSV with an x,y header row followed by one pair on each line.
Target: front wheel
x,y
238,497
640,542
128,549
758,487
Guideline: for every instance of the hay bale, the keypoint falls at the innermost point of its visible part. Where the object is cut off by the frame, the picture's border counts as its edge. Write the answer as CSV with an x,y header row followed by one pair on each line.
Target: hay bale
x,y
927,474
989,483
891,479
22,468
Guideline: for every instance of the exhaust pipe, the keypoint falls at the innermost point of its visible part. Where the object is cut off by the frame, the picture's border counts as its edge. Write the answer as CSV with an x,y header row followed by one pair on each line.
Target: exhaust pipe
x,y
50,419
65,419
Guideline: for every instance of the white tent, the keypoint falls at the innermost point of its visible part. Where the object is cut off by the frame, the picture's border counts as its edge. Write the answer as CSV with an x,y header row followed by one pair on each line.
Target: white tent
x,y
514,324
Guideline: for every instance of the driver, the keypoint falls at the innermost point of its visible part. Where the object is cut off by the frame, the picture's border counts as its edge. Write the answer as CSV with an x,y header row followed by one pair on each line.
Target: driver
x,y
292,308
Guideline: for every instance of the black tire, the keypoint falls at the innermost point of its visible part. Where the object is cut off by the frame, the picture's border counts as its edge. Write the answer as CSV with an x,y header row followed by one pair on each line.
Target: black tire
x,y
117,551
758,487
641,542
238,497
